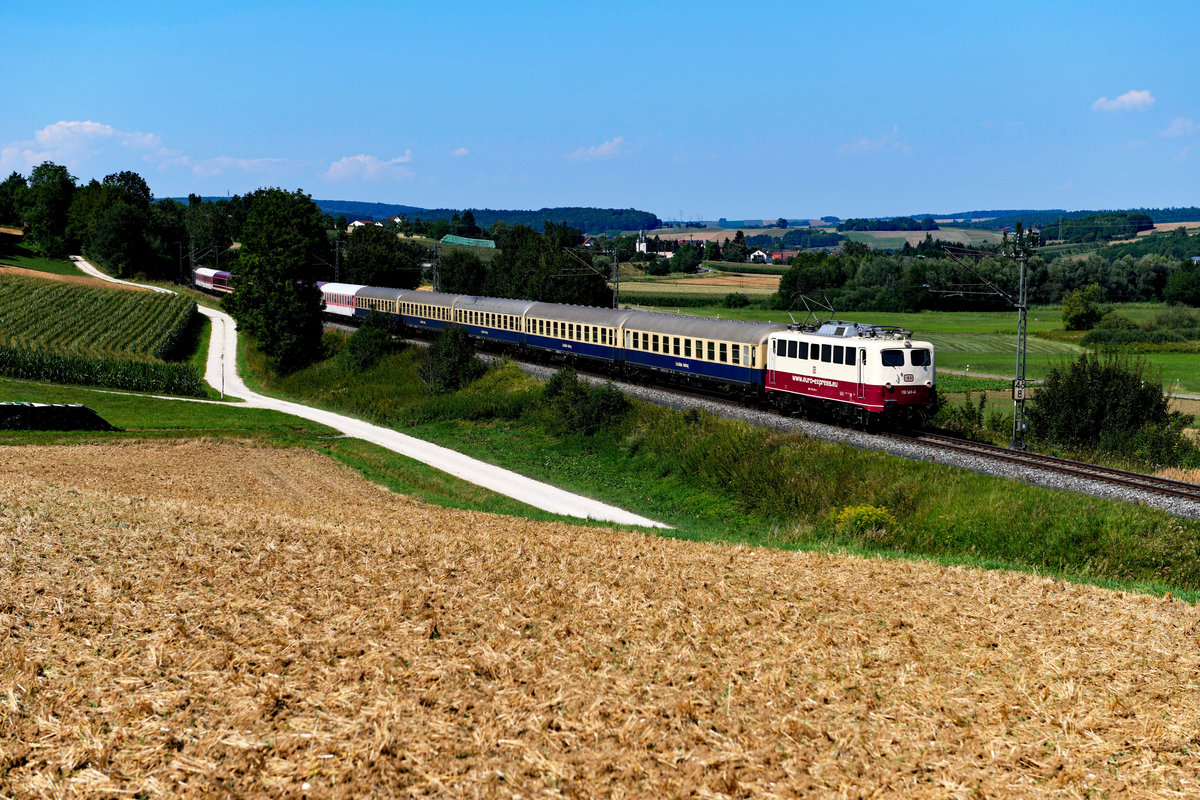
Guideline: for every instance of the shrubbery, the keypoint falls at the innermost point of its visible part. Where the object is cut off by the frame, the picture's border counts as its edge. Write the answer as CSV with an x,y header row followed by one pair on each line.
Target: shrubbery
x,y
451,362
864,521
1109,404
371,342
576,405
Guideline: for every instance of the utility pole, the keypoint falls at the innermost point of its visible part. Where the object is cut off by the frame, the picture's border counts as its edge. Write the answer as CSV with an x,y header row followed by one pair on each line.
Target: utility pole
x,y
616,262
437,267
1019,249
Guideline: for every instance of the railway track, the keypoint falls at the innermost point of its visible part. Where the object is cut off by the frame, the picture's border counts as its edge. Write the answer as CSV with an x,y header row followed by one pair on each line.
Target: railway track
x,y
1075,469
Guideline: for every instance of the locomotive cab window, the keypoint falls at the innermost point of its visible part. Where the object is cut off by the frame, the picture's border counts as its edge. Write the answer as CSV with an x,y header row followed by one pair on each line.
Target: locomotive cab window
x,y
920,358
892,358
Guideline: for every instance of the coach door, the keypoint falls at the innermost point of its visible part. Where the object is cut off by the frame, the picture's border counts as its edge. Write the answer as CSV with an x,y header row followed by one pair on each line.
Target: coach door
x,y
862,365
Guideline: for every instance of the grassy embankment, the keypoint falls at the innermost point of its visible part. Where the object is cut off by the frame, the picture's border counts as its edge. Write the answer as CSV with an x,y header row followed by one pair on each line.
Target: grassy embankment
x,y
15,253
714,479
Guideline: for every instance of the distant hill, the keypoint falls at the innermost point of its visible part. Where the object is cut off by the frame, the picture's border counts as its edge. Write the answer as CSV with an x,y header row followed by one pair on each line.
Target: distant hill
x,y
586,219
1007,218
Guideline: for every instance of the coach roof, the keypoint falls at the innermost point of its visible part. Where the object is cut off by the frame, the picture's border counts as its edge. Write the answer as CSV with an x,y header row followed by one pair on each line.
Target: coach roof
x,y
729,330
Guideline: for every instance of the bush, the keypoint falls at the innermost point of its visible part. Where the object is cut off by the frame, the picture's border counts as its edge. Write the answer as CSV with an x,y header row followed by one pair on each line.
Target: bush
x,y
1112,321
577,405
451,362
371,342
1083,308
736,300
1109,404
868,522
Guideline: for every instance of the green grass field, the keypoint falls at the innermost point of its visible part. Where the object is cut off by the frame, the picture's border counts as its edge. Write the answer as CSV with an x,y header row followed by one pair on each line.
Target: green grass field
x,y
894,240
15,253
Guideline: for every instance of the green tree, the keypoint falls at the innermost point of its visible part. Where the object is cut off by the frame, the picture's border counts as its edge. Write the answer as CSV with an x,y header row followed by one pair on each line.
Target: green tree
x,y
276,299
545,267
1083,308
712,251
51,187
686,259
461,272
13,193
736,250
781,223
377,257
1183,287
136,190
209,231
118,240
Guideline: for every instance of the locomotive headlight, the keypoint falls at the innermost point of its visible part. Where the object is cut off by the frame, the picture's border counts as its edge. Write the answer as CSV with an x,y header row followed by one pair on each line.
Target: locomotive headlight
x,y
888,386
928,384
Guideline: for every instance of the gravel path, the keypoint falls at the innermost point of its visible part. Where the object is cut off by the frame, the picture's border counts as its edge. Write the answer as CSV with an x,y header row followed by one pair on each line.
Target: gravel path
x,y
221,374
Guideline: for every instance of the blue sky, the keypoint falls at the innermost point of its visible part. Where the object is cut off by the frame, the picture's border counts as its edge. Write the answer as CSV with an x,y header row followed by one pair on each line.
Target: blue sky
x,y
741,110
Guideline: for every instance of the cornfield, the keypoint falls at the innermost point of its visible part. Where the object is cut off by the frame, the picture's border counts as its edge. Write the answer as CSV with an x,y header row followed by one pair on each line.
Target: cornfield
x,y
65,333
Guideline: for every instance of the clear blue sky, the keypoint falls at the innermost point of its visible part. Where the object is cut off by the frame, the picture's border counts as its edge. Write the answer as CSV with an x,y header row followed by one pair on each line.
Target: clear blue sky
x,y
741,110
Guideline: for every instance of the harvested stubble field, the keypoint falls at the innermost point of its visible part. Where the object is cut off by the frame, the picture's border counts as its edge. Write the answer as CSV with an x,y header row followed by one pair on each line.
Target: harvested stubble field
x,y
209,619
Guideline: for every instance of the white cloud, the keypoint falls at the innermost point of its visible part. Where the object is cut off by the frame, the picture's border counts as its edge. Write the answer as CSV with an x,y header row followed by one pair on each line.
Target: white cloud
x,y
1183,153
460,152
1180,127
889,141
1130,101
222,165
606,150
75,144
369,168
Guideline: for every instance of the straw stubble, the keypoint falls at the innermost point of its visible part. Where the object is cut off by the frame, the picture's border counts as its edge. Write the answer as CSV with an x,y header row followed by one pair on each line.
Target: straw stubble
x,y
204,618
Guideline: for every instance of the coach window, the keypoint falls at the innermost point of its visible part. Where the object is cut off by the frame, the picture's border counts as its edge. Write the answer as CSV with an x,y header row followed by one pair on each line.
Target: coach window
x,y
675,345
712,351
838,353
892,358
687,348
826,353
920,358
724,353
736,352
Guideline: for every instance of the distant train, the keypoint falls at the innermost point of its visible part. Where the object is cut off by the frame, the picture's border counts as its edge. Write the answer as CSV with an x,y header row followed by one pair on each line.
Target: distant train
x,y
851,373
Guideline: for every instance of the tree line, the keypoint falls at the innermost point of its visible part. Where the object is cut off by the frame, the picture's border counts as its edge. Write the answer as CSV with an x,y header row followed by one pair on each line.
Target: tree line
x,y
894,224
922,277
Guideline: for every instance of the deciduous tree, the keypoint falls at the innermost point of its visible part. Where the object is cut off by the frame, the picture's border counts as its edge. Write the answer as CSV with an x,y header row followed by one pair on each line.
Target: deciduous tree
x,y
276,298
51,187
